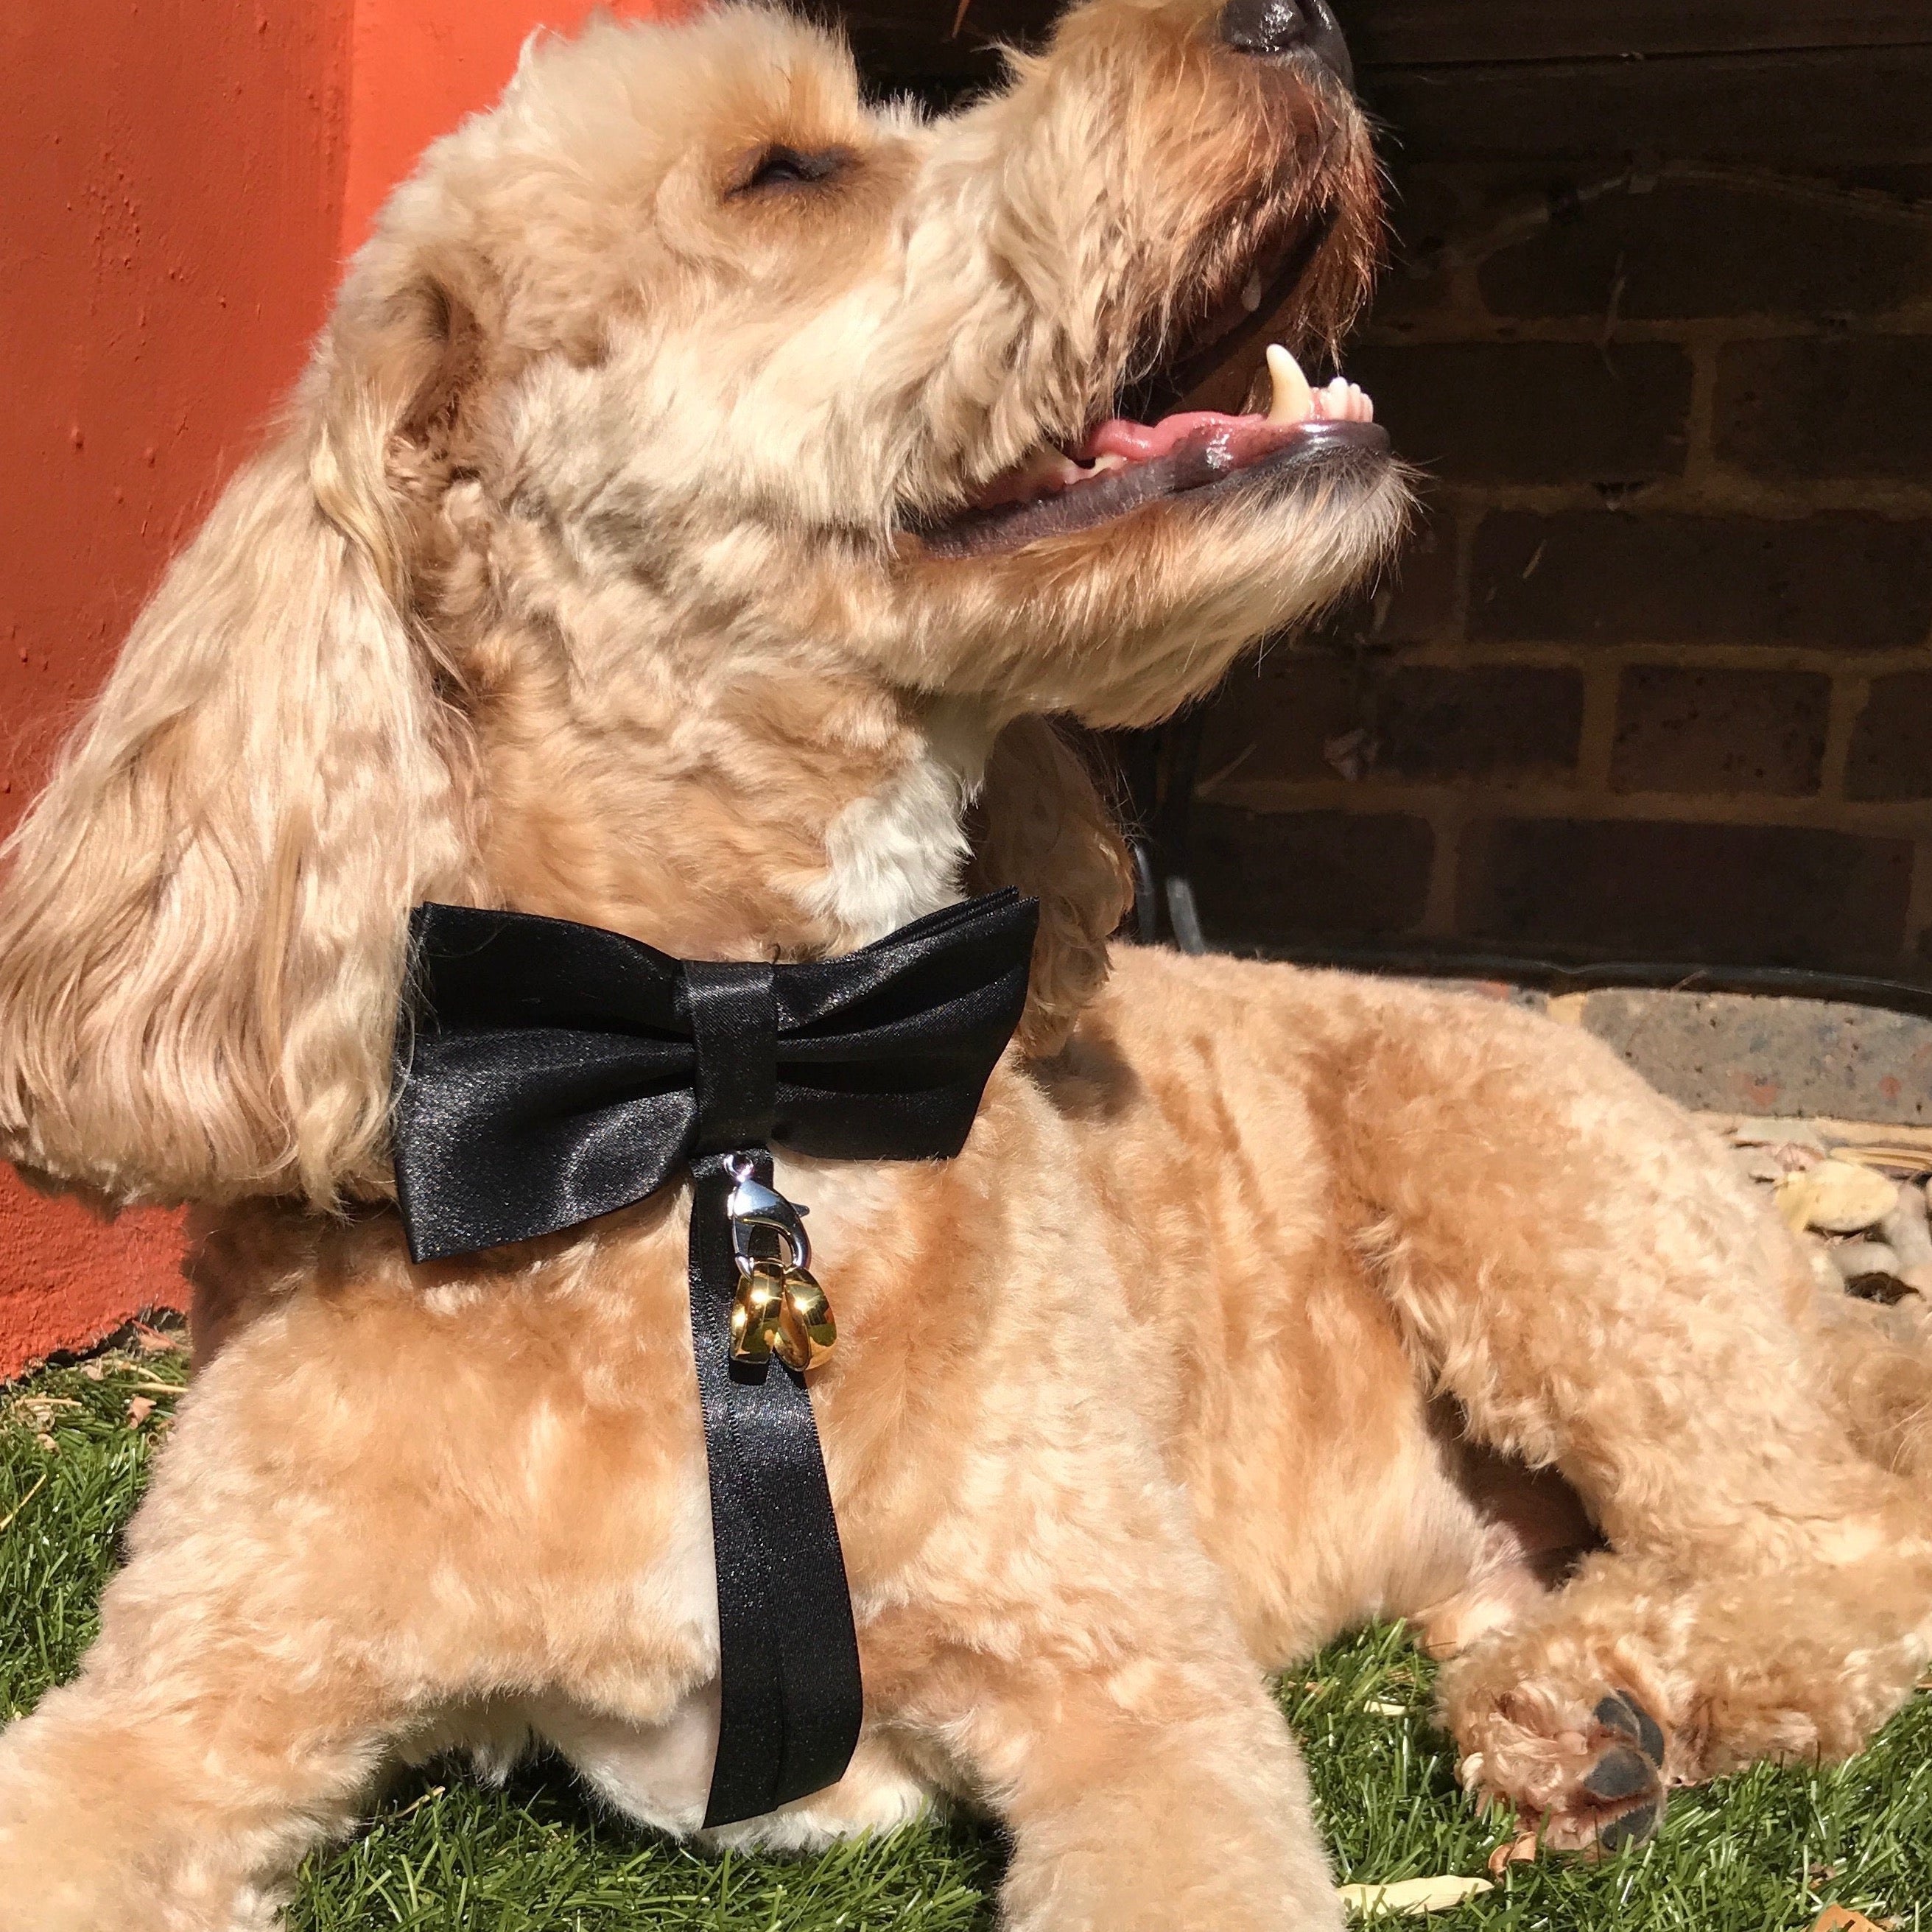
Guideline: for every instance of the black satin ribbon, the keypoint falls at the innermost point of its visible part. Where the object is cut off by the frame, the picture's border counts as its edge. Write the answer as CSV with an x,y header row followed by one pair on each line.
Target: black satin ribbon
x,y
548,1073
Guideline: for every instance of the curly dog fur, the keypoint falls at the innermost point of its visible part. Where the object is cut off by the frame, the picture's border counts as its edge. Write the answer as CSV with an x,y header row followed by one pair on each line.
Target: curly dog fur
x,y
587,577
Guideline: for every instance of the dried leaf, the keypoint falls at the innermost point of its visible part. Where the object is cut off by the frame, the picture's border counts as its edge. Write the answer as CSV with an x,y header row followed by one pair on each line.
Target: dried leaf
x,y
1513,1851
1835,1197
140,1407
1410,1896
1905,1163
94,1372
1842,1918
159,1341
37,1414
1376,1709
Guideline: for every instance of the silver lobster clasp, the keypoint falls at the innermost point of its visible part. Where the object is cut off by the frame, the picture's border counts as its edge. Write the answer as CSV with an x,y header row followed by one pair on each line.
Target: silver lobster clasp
x,y
752,1205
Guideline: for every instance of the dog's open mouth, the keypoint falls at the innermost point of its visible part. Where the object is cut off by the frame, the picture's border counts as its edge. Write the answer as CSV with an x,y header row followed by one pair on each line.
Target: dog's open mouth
x,y
1122,464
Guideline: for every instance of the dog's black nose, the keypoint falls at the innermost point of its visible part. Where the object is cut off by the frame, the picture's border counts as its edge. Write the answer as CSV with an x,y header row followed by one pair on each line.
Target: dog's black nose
x,y
1286,27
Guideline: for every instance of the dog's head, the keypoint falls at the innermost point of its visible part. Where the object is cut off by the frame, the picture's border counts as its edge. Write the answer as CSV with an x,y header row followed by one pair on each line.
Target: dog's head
x,y
705,485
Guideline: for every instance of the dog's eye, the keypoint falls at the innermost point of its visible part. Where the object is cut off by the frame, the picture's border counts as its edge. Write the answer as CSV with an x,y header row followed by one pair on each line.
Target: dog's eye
x,y
778,167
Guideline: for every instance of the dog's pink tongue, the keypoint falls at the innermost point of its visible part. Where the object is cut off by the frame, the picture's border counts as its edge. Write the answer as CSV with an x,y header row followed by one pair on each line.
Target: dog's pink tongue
x,y
1140,442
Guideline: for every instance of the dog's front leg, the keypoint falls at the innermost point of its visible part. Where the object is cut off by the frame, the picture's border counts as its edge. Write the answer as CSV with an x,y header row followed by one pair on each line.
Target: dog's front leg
x,y
1091,1686
1146,1798
373,1520
177,1799
176,1783
249,1673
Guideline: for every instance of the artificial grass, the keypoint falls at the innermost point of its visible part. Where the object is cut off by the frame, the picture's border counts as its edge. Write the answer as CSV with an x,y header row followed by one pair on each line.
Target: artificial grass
x,y
1761,1853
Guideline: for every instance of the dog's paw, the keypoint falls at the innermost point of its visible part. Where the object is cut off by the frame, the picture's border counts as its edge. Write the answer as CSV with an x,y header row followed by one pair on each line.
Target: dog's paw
x,y
1620,1799
1592,1787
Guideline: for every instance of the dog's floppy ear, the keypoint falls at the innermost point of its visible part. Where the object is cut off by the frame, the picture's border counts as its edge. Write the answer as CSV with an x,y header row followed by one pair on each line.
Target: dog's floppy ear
x,y
202,931
1042,824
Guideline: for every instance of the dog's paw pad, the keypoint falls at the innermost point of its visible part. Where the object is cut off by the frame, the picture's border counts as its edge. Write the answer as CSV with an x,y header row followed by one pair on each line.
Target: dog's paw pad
x,y
1620,1774
1619,1797
1628,1719
1630,1828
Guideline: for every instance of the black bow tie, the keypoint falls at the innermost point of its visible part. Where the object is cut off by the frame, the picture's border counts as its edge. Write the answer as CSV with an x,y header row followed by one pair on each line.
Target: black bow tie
x,y
548,1073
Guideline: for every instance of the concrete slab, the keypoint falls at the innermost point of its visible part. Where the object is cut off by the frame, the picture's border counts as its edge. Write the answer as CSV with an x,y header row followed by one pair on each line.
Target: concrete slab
x,y
1723,1052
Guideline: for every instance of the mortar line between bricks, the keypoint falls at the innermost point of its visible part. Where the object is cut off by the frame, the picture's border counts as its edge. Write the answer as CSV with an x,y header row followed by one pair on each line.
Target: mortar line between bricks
x,y
1440,908
1919,905
1597,739
1724,492
1907,819
1453,285
1445,329
1586,654
1700,442
1849,695
1467,511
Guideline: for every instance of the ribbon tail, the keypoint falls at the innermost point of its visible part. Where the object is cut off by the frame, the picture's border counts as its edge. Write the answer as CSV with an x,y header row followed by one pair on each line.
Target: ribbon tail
x,y
790,1696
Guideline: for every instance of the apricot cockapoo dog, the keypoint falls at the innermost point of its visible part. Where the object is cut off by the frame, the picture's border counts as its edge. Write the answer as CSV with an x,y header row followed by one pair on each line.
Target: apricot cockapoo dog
x,y
706,486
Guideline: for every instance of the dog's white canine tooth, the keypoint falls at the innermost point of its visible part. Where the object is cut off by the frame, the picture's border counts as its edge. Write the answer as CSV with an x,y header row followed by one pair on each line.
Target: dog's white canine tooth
x,y
1293,400
1251,292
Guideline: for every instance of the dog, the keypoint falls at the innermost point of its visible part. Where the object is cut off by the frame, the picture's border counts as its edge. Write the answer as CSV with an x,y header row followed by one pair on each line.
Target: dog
x,y
707,490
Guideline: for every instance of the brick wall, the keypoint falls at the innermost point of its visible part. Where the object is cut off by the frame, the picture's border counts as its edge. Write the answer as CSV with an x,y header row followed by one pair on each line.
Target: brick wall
x,y
1656,680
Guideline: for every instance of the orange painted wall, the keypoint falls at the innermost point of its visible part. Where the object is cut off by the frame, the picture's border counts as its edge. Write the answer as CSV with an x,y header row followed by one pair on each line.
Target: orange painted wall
x,y
173,173
182,178
419,66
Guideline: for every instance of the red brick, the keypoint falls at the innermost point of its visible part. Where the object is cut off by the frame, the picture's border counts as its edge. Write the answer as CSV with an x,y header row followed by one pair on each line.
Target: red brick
x,y
1685,250
1719,730
1720,894
1802,112
1267,876
1853,583
1415,721
1402,34
1424,210
1275,717
1892,744
1858,406
913,42
1451,33
1909,181
1500,722
1533,412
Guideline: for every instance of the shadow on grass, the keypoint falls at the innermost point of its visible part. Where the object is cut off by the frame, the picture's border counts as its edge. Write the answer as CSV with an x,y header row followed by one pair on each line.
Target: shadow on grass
x,y
445,1852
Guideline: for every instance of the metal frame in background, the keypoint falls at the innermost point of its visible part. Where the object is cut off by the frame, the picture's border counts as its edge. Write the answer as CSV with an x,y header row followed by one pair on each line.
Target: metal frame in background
x,y
1158,767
